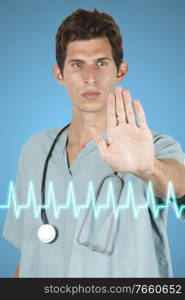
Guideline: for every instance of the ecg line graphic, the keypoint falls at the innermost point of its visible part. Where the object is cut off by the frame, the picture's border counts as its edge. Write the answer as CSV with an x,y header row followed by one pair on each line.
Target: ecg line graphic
x,y
110,203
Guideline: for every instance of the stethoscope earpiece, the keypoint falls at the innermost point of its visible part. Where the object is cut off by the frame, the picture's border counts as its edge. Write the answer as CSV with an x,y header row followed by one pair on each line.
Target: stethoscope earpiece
x,y
47,233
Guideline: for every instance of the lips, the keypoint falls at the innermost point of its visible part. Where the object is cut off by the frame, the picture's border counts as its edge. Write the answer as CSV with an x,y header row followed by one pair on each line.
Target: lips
x,y
90,95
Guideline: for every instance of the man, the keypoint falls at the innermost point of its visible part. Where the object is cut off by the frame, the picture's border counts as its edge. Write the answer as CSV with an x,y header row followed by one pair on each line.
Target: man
x,y
108,133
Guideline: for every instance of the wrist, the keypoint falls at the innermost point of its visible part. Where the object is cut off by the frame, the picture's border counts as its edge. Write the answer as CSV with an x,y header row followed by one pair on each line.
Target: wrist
x,y
150,173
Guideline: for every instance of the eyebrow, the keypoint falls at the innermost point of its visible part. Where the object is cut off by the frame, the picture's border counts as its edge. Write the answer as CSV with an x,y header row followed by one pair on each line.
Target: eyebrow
x,y
98,59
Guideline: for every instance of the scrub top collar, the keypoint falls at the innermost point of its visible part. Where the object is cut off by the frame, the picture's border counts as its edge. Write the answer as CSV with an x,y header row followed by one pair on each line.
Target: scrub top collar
x,y
89,146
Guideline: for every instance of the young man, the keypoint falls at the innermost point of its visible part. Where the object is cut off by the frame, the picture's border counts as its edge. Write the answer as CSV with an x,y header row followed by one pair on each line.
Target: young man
x,y
103,138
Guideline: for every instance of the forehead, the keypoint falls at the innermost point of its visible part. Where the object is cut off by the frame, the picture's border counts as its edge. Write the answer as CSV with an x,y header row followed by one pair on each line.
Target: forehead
x,y
89,48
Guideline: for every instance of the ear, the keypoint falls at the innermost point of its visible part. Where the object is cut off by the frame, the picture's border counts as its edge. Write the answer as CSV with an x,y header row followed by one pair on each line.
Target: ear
x,y
58,75
123,69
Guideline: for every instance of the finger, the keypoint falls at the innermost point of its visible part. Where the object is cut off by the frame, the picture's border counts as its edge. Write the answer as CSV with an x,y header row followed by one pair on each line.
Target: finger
x,y
120,107
99,139
140,114
130,115
111,112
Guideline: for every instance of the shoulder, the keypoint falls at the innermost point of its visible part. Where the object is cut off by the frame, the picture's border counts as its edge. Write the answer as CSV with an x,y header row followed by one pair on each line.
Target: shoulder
x,y
157,136
42,137
40,141
167,147
163,139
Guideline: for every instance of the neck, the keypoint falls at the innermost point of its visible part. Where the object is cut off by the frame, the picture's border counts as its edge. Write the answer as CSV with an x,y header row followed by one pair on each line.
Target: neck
x,y
78,131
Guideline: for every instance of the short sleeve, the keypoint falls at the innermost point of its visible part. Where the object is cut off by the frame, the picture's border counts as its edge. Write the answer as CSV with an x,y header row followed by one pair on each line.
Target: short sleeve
x,y
14,224
167,147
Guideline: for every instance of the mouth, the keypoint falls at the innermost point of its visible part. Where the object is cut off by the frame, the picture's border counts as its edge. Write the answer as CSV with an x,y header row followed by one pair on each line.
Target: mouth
x,y
90,95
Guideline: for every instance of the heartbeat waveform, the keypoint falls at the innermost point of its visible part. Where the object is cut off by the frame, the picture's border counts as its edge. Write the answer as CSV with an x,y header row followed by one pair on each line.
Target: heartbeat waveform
x,y
110,202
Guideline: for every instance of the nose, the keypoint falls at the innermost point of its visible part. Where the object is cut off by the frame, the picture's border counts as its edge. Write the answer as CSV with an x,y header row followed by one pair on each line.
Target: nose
x,y
90,75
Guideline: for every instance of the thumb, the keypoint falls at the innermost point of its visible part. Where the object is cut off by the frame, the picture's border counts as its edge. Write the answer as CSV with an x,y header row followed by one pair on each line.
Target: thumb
x,y
99,139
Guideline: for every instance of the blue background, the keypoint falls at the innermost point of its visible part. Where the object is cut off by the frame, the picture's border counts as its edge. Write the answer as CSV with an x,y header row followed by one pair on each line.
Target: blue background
x,y
32,100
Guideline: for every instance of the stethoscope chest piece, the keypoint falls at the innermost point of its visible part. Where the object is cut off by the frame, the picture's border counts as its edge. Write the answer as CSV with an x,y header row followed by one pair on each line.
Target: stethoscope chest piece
x,y
47,233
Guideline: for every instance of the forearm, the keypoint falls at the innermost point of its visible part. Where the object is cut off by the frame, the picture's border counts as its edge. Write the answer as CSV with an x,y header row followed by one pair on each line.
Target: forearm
x,y
166,170
16,275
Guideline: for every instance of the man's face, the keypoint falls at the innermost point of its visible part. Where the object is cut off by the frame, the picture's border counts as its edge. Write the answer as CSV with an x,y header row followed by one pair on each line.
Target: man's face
x,y
89,67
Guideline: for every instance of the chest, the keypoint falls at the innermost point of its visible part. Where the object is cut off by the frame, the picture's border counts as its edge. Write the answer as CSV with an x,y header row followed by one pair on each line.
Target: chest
x,y
72,153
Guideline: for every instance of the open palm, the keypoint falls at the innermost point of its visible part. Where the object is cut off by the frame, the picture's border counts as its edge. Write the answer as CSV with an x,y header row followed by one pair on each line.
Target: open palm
x,y
130,147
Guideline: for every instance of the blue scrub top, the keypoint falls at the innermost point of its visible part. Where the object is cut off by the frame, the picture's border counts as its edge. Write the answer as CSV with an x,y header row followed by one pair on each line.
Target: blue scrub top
x,y
134,246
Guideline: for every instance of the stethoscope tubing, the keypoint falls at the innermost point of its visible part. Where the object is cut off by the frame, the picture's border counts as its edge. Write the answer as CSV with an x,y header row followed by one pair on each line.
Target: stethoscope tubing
x,y
48,233
43,184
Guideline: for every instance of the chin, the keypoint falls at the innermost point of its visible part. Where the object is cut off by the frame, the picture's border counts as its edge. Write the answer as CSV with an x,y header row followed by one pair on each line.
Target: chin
x,y
91,109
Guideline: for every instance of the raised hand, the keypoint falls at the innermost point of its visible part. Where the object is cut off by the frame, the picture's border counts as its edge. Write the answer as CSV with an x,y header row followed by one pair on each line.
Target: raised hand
x,y
130,147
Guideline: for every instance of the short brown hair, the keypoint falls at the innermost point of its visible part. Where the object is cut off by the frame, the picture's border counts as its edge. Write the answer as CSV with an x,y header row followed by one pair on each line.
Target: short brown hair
x,y
84,25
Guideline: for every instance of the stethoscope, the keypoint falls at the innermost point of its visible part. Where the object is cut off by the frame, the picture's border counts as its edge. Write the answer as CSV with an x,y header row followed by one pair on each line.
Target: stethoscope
x,y
48,233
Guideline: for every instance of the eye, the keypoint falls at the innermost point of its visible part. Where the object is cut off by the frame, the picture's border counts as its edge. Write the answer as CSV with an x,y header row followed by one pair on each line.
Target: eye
x,y
77,65
102,63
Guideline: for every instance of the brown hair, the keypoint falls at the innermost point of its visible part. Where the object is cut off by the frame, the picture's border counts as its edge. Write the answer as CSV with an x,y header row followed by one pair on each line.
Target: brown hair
x,y
84,25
